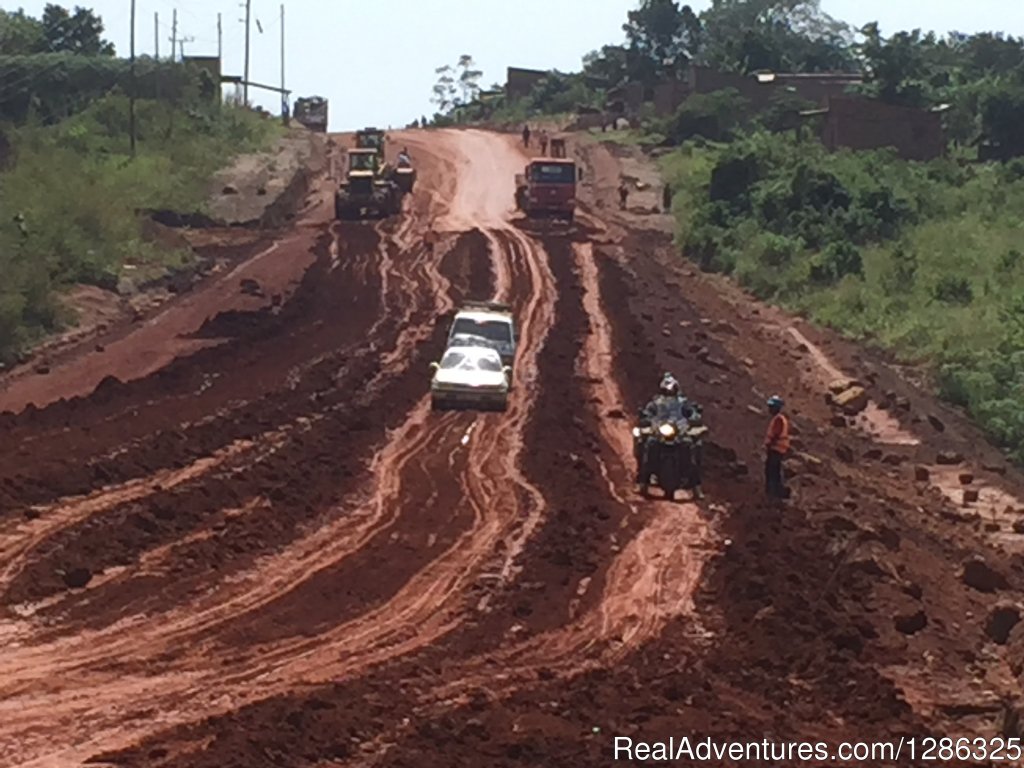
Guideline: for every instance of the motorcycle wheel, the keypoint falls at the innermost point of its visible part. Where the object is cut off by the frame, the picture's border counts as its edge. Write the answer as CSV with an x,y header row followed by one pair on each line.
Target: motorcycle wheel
x,y
669,479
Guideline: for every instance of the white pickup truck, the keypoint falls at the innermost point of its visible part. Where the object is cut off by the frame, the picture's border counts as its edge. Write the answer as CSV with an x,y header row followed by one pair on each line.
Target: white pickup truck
x,y
486,323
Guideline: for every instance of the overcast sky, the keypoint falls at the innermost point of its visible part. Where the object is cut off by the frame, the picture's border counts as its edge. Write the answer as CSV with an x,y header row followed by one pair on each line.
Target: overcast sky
x,y
375,59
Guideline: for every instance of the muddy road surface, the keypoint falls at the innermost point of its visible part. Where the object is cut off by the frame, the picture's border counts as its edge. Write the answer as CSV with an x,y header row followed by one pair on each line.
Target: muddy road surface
x,y
235,534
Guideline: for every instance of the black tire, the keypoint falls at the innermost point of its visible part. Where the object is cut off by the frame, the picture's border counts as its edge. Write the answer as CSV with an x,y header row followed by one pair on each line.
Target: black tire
x,y
670,472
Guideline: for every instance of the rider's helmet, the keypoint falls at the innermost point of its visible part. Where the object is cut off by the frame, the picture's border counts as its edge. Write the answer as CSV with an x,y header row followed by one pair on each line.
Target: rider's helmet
x,y
668,386
775,403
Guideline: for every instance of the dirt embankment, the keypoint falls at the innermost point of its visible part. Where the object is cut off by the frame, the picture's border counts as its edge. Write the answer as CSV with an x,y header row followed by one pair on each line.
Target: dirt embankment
x,y
235,267
268,188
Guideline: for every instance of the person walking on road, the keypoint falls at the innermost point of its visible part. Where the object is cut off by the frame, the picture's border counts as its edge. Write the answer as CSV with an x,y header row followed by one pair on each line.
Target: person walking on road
x,y
776,446
543,138
666,199
623,195
526,135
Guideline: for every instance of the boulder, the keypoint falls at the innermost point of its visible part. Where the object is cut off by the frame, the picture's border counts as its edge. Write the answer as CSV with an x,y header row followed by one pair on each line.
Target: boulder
x,y
936,423
921,474
966,478
841,385
844,453
853,400
970,496
949,458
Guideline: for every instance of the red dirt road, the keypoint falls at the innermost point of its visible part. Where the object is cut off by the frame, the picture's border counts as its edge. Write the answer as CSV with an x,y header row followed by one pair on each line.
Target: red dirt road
x,y
268,551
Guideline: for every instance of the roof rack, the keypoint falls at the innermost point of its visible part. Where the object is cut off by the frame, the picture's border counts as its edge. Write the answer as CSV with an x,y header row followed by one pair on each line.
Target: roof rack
x,y
473,340
493,306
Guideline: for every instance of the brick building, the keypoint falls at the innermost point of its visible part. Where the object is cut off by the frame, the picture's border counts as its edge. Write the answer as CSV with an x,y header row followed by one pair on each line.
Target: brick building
x,y
857,123
520,82
758,90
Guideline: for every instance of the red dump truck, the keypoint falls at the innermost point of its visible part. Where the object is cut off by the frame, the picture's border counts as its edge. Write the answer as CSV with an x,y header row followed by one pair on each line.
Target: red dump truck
x,y
547,188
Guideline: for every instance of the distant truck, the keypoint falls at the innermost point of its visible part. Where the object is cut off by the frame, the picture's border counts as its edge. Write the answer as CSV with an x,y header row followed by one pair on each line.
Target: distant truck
x,y
311,111
547,188
367,189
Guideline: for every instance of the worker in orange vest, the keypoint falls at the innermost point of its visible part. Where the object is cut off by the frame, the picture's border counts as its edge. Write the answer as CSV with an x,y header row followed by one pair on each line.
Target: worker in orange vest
x,y
776,446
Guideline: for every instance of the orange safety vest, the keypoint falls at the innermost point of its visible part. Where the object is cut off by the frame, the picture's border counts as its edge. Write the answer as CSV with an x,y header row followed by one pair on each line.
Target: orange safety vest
x,y
777,438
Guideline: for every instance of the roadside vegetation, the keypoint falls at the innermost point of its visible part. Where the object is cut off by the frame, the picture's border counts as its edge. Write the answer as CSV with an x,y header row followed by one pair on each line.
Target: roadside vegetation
x,y
73,200
923,259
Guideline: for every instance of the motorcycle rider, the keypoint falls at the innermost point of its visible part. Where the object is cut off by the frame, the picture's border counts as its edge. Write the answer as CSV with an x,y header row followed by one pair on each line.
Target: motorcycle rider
x,y
669,403
404,161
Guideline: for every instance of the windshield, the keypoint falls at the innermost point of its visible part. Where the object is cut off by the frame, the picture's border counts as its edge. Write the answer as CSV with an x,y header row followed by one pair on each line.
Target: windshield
x,y
371,141
553,173
492,330
471,360
358,162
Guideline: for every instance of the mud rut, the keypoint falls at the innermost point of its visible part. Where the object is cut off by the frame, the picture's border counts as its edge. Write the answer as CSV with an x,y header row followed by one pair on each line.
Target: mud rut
x,y
282,510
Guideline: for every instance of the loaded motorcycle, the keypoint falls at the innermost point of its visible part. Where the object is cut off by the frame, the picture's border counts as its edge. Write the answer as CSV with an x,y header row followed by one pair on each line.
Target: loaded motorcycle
x,y
668,446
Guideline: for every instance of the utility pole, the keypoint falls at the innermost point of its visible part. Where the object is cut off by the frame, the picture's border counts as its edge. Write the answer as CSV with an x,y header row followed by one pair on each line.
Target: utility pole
x,y
284,96
174,33
156,52
220,40
245,83
131,96
182,42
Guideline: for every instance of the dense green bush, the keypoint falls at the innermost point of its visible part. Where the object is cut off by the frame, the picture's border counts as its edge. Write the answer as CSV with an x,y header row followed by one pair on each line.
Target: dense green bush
x,y
50,87
923,258
713,116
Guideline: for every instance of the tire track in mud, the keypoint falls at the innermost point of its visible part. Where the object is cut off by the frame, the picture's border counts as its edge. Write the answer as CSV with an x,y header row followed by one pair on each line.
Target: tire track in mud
x,y
379,635
394,315
648,583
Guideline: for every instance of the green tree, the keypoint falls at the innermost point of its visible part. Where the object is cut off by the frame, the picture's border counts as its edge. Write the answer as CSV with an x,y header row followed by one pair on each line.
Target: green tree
x,y
1002,119
19,34
777,35
608,66
445,94
662,38
79,32
469,78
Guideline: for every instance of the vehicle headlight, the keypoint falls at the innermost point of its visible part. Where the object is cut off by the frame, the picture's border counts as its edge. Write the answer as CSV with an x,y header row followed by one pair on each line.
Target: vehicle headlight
x,y
636,431
667,430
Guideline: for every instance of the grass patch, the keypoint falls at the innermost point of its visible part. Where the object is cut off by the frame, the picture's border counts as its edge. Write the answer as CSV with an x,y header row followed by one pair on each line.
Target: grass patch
x,y
73,199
